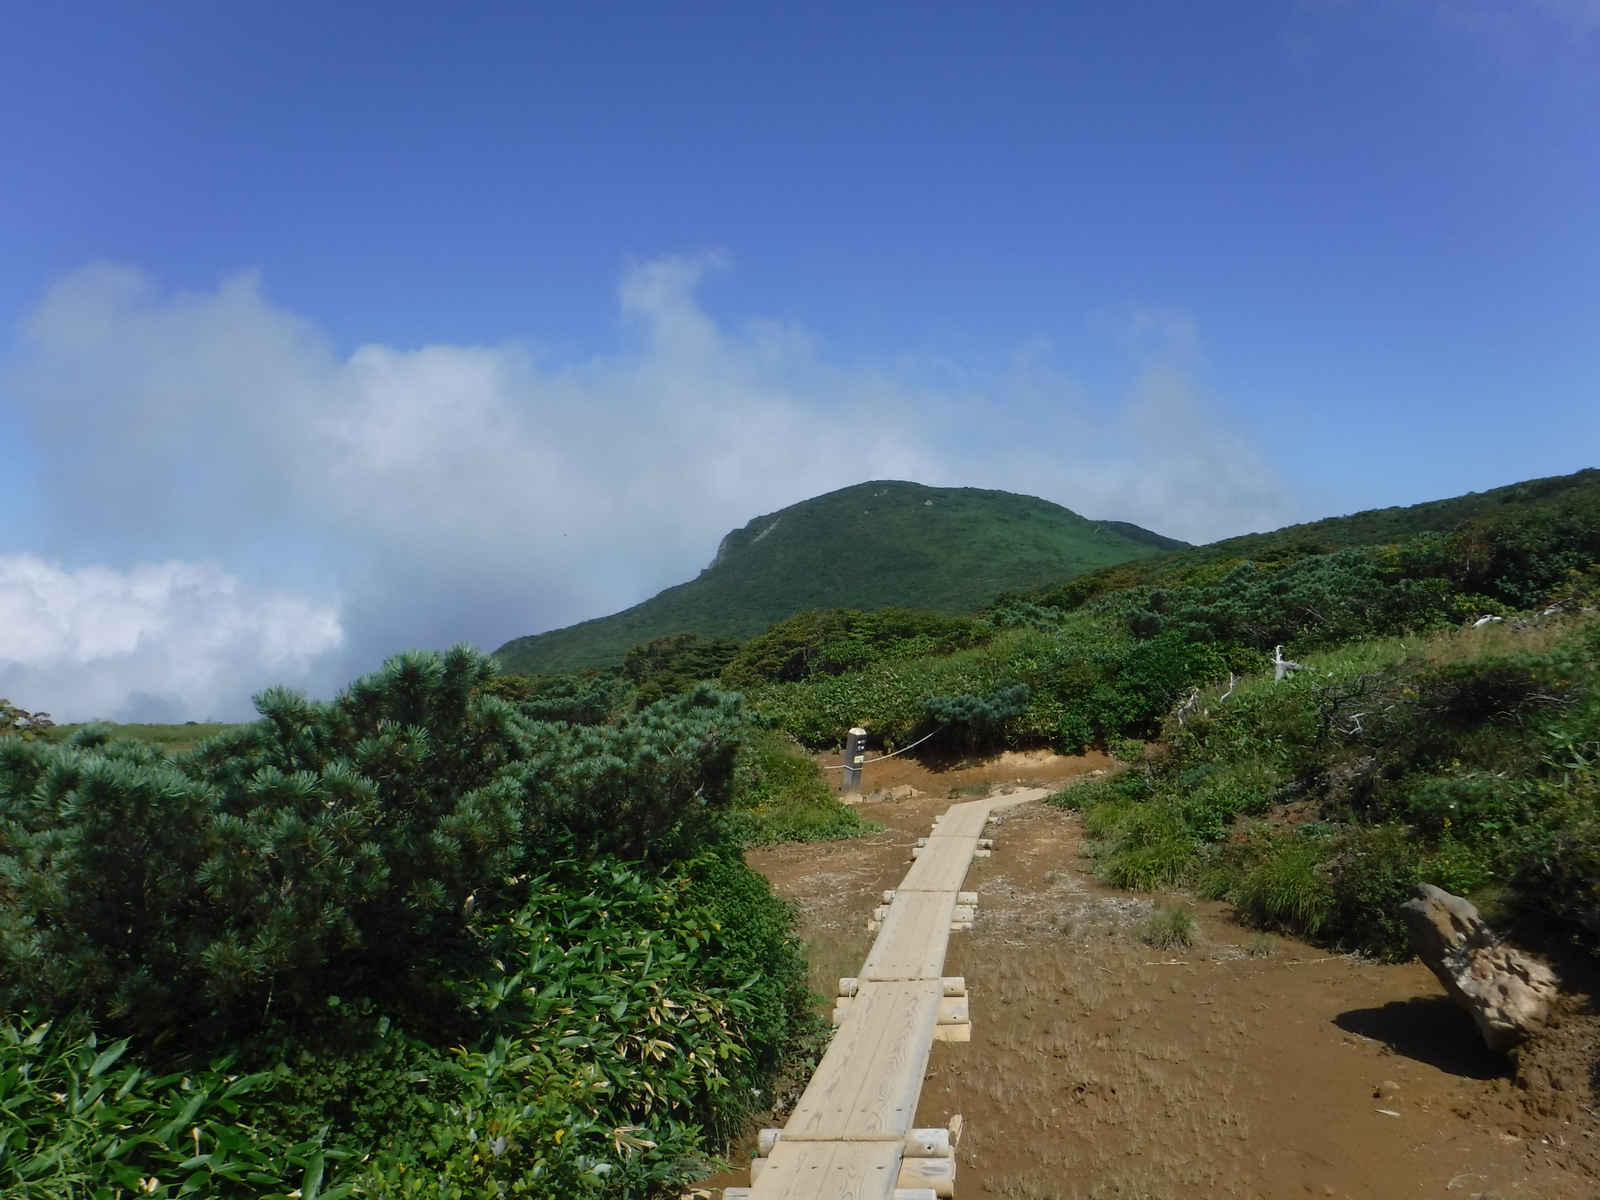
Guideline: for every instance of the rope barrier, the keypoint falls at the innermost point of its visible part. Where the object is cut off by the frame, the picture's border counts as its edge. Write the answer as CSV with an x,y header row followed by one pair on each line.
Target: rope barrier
x,y
896,754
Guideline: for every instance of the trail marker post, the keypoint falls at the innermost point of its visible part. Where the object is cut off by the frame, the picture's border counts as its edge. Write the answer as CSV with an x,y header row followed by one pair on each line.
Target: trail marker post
x,y
855,753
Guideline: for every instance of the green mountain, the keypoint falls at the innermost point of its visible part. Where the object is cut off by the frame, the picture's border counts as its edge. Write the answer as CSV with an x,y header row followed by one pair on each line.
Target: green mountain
x,y
869,547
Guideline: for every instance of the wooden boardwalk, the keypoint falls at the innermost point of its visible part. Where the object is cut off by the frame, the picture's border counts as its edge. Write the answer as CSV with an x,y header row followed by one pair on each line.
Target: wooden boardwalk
x,y
851,1135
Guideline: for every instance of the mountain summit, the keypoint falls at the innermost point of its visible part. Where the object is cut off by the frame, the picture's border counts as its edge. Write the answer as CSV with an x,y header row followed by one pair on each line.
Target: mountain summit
x,y
869,546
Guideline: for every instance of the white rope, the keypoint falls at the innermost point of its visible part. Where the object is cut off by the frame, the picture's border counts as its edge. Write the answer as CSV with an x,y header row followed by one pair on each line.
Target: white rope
x,y
896,754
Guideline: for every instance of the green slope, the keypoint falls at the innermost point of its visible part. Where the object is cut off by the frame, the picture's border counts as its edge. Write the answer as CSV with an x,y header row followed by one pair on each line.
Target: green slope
x,y
1375,527
869,546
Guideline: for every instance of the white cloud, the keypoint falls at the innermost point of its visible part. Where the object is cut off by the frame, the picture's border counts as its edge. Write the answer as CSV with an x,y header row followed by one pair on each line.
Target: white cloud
x,y
162,641
482,492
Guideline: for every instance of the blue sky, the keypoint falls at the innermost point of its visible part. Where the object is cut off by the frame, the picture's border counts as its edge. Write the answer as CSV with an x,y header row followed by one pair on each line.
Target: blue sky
x,y
335,329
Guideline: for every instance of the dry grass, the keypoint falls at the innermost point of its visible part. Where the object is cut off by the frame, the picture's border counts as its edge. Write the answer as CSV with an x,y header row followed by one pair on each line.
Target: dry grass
x,y
832,957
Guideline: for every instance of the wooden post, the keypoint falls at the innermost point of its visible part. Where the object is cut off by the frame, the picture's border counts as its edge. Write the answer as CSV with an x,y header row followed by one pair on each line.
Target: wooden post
x,y
855,752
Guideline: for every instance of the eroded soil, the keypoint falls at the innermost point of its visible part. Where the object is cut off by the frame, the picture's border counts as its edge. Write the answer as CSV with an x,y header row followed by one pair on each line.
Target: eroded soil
x,y
1240,1066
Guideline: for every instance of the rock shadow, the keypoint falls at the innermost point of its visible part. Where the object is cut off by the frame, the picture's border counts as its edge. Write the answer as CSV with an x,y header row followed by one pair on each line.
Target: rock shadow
x,y
1429,1029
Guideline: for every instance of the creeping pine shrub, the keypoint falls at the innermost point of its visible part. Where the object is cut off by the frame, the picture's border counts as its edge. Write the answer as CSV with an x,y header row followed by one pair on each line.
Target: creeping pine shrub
x,y
583,698
836,640
667,666
347,888
978,719
327,849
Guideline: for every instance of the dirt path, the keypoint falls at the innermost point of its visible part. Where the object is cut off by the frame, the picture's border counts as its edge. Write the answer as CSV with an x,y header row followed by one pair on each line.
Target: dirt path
x,y
1101,1068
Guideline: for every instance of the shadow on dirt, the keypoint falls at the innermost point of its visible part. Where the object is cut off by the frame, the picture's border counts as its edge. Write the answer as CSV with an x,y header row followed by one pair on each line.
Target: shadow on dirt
x,y
1430,1029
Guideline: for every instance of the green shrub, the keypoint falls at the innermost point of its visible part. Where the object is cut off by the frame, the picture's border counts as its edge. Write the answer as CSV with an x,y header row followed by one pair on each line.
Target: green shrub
x,y
672,665
1082,686
1555,871
627,1023
782,796
1215,795
557,901
579,699
977,720
326,850
836,640
1476,804
650,1002
1377,869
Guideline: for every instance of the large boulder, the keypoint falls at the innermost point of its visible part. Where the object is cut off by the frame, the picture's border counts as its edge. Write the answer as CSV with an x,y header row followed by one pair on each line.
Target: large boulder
x,y
1507,993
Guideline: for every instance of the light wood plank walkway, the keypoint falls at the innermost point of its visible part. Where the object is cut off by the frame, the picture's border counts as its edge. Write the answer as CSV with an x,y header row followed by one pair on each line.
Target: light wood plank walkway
x,y
847,1137
912,940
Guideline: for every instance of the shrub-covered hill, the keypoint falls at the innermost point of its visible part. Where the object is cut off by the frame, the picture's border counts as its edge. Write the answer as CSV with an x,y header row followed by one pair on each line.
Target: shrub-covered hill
x,y
871,546
1434,716
1105,656
1509,513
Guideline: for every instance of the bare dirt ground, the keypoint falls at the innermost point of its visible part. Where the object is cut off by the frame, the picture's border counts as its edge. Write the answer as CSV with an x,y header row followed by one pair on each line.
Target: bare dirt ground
x,y
1241,1066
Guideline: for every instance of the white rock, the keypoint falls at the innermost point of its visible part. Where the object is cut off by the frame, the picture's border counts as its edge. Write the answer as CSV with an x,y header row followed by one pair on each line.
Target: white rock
x,y
1507,993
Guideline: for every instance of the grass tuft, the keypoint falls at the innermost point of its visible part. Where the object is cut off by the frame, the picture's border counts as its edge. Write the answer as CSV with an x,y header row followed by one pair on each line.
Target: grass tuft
x,y
1169,929
1262,945
1285,890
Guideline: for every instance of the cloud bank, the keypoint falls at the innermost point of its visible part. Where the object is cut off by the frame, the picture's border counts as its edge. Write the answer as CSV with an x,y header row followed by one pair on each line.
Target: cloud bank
x,y
155,643
392,498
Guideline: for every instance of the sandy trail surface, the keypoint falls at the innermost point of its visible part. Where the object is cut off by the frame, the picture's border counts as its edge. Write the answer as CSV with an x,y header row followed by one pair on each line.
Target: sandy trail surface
x,y
1237,1067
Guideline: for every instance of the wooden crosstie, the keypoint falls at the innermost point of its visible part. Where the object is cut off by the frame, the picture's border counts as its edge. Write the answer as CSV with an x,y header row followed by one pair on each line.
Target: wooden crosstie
x,y
851,1135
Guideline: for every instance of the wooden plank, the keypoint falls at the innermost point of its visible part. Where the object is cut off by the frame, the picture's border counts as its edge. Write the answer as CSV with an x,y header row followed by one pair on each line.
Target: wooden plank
x,y
963,820
942,867
953,1010
845,1139
936,1173
997,803
830,1171
867,1084
913,939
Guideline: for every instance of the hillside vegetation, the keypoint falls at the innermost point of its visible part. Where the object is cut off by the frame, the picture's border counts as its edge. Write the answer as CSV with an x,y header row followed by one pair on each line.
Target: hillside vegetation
x,y
1436,721
876,545
468,933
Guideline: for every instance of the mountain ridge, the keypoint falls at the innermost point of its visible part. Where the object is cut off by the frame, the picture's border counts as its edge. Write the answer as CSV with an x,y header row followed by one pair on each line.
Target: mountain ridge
x,y
1369,527
879,544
